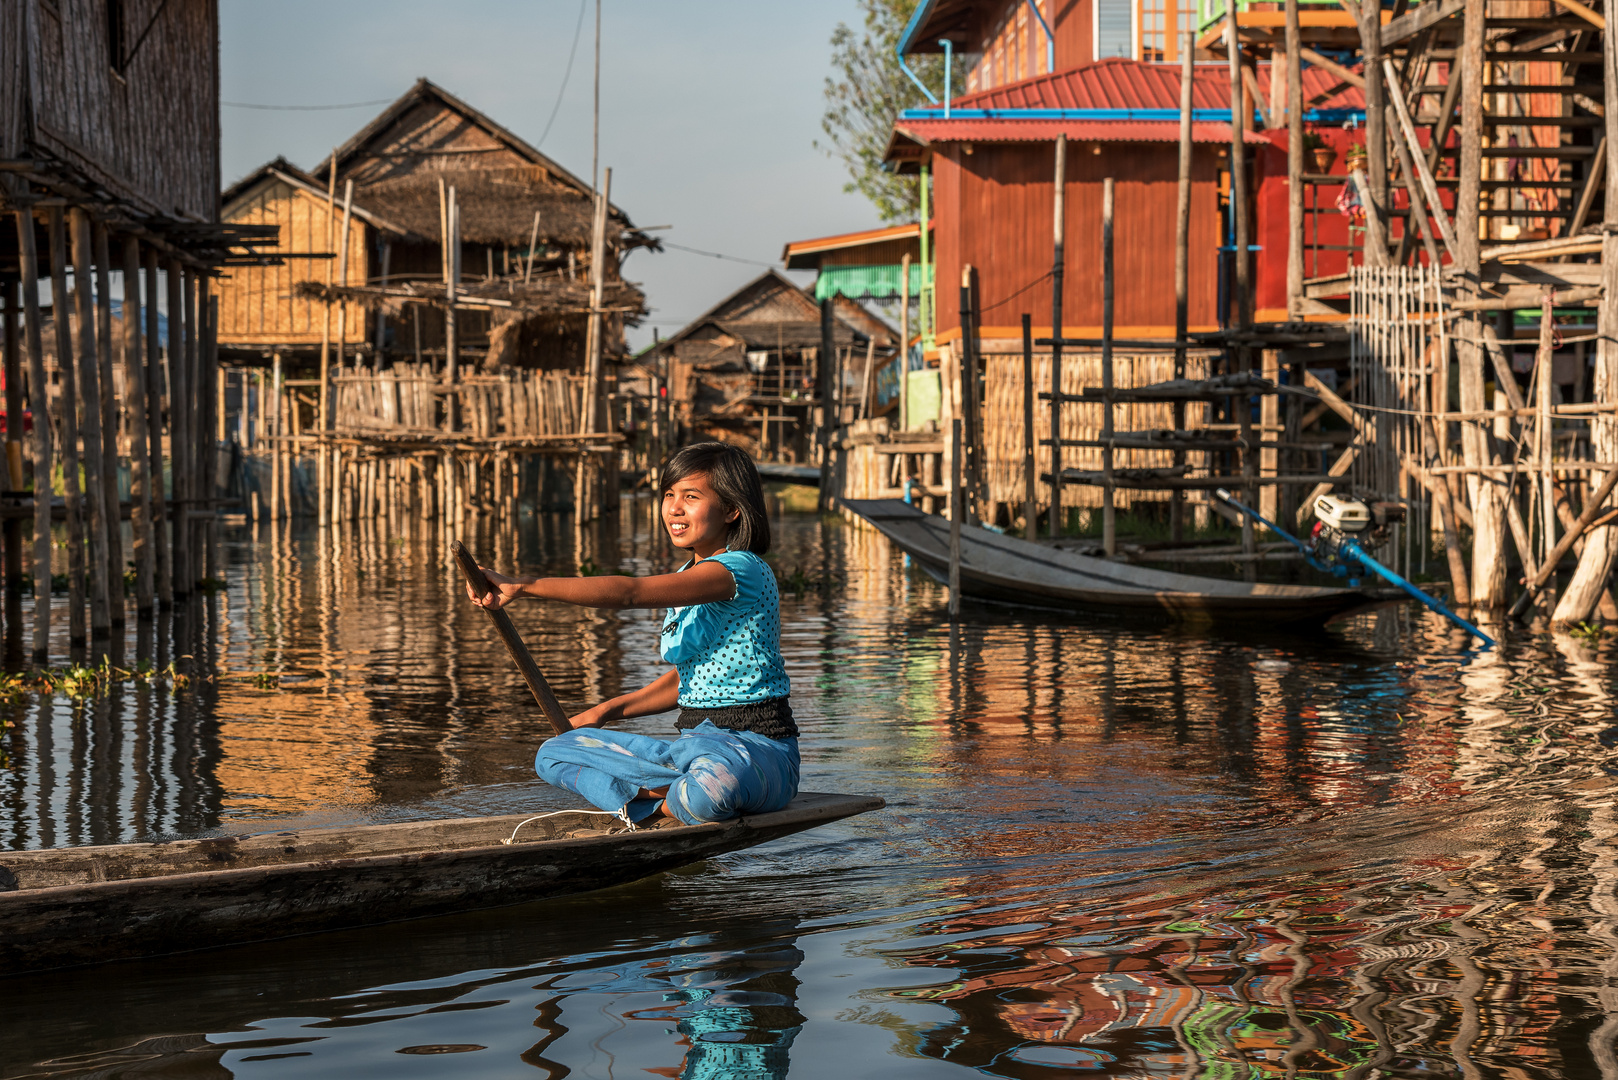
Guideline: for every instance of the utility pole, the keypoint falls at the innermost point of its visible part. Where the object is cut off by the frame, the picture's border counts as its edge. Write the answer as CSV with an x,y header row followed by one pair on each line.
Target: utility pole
x,y
595,125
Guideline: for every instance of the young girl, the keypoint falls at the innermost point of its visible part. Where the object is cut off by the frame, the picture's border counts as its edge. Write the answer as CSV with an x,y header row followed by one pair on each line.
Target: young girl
x,y
737,751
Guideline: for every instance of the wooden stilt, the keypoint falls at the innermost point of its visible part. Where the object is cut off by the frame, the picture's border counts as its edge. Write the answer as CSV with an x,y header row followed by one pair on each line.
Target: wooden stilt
x,y
1182,267
13,462
1109,513
90,414
276,428
156,387
110,413
69,423
182,312
1058,520
1241,292
140,477
1588,587
28,266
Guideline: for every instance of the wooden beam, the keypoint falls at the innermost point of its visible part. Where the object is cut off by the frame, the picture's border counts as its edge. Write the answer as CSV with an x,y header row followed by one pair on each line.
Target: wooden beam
x,y
1414,22
1591,17
1332,67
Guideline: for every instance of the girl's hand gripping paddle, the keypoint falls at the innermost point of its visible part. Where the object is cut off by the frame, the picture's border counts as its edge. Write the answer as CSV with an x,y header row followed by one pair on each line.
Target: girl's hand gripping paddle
x,y
508,634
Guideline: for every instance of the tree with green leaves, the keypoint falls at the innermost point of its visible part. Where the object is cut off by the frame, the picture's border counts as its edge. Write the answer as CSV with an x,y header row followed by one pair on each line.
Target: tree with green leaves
x,y
864,98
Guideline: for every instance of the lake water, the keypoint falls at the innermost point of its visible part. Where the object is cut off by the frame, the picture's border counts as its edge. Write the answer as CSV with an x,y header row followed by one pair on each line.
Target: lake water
x,y
1109,850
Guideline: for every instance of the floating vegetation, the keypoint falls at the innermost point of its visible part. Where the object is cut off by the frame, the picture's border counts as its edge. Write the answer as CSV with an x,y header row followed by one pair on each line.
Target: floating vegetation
x,y
800,583
211,585
81,683
267,680
1589,633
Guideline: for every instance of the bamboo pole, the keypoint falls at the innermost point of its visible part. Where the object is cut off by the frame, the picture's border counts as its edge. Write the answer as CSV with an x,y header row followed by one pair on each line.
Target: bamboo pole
x,y
1239,120
13,474
69,421
277,429
904,347
1058,266
1109,513
1589,583
970,407
1182,266
213,408
1030,462
323,413
1294,43
1542,423
156,385
1376,129
28,267
140,478
1488,510
181,326
865,387
1592,510
109,425
957,512
342,274
533,239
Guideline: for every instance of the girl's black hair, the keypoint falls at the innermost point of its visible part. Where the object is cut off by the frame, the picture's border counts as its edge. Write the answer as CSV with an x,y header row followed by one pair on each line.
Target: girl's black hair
x,y
734,478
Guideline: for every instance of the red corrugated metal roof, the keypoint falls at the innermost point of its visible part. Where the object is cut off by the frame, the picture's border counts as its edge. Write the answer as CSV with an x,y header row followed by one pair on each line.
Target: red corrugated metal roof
x,y
987,131
1117,83
1106,84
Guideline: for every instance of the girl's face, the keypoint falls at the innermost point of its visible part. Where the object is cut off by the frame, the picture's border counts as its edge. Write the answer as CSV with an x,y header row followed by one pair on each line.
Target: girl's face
x,y
696,519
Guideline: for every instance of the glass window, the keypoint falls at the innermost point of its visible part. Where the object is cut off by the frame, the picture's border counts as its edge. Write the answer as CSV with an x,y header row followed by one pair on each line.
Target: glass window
x,y
1115,28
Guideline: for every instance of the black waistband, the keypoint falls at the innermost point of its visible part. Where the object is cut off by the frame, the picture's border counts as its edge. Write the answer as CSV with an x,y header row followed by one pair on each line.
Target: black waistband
x,y
771,719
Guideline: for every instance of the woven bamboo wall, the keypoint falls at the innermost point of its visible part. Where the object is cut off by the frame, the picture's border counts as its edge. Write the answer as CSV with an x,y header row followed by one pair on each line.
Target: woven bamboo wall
x,y
405,398
150,134
1003,427
256,305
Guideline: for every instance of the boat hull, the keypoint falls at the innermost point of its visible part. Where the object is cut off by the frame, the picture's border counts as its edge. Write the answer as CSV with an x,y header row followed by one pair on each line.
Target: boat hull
x,y
1004,568
162,901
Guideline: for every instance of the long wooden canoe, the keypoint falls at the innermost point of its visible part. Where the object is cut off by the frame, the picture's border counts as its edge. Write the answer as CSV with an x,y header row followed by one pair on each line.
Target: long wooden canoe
x,y
91,904
996,567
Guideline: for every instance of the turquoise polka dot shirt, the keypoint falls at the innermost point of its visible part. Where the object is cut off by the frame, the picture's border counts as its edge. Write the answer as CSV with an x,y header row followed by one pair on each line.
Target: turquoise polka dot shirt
x,y
729,652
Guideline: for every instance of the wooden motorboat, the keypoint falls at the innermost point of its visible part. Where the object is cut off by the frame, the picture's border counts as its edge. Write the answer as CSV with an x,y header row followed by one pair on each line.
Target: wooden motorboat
x,y
997,567
85,905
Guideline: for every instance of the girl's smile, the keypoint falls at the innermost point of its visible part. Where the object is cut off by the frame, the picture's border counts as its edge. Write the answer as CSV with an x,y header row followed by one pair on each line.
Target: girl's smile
x,y
696,518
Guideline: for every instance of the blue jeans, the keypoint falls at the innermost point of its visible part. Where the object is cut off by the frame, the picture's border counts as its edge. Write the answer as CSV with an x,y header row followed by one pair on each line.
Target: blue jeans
x,y
712,773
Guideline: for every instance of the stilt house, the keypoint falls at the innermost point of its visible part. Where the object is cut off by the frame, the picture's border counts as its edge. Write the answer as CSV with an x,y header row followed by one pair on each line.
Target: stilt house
x,y
109,173
522,264
747,370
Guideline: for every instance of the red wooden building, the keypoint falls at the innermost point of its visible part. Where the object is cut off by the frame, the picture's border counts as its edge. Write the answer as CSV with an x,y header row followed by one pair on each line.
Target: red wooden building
x,y
993,162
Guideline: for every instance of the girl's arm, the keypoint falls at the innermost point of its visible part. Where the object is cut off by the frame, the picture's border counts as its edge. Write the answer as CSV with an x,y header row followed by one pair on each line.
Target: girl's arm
x,y
705,583
661,695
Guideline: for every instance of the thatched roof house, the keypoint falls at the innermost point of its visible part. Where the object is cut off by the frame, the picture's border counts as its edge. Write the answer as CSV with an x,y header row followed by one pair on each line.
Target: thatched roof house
x,y
524,227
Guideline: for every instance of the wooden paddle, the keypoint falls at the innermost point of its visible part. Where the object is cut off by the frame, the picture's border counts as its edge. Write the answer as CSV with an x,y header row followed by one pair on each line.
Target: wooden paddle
x,y
508,634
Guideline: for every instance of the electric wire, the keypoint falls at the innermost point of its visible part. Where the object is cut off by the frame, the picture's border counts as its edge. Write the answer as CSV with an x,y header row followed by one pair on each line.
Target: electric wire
x,y
566,75
306,108
717,255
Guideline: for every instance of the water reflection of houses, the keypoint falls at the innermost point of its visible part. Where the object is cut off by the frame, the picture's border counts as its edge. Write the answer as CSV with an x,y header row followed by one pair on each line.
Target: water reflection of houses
x,y
1302,976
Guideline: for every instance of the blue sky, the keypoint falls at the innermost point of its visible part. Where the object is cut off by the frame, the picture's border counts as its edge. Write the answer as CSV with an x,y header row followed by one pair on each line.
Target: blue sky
x,y
709,109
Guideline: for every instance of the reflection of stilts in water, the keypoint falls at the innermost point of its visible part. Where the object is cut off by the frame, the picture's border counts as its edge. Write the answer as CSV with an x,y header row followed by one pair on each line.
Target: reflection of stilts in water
x,y
1177,972
1591,676
1304,1037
